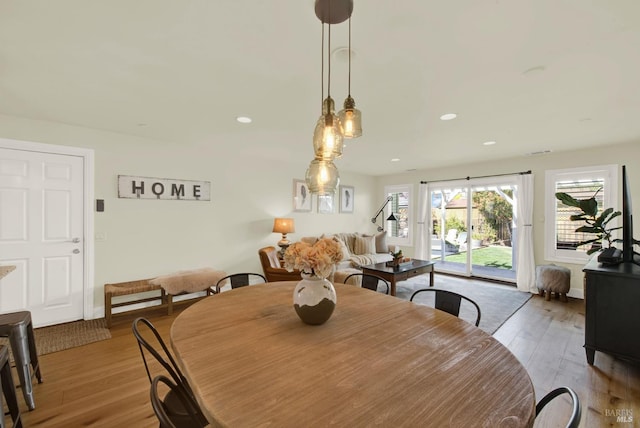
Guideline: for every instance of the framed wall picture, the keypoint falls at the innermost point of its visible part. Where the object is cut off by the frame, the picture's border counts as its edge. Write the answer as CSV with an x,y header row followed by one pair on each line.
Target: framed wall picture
x,y
347,194
325,204
301,196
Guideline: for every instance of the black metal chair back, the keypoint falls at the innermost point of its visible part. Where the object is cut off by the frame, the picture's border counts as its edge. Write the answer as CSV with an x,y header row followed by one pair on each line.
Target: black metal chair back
x,y
163,412
370,281
576,411
239,280
448,301
170,366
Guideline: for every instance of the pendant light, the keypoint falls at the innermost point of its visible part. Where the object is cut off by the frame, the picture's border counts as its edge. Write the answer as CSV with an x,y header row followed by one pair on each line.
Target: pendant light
x,y
328,134
322,177
350,116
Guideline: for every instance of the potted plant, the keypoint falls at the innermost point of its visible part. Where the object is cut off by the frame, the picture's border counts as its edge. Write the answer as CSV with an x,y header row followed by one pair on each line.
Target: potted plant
x,y
596,224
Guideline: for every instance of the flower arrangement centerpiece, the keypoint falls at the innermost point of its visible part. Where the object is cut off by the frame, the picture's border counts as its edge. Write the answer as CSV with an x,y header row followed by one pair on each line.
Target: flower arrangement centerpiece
x,y
318,259
314,297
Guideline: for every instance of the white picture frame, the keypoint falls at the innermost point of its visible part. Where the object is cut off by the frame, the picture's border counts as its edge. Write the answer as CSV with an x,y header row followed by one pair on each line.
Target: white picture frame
x,y
325,204
301,196
347,199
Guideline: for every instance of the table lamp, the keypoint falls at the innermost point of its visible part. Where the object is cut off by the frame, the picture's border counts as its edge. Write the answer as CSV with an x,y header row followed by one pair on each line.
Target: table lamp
x,y
284,226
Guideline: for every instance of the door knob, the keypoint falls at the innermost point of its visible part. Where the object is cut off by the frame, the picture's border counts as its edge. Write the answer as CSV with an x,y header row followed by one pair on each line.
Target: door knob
x,y
75,240
76,251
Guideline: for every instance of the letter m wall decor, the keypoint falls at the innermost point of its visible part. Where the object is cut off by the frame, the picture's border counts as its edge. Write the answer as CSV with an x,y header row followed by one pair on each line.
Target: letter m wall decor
x,y
133,187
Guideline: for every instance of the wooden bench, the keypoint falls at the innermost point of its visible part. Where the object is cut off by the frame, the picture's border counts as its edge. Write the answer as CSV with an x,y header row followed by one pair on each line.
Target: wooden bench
x,y
136,287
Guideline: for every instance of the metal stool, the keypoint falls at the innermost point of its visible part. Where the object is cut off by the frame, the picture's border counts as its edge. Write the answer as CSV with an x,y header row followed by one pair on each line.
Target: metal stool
x,y
18,328
8,389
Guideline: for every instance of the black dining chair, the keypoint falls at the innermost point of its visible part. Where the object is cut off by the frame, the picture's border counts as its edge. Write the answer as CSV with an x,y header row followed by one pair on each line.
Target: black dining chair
x,y
8,391
448,301
576,412
172,402
371,282
239,280
167,419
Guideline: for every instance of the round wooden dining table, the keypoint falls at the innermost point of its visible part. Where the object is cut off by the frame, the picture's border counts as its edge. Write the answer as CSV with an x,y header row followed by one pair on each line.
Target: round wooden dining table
x,y
378,361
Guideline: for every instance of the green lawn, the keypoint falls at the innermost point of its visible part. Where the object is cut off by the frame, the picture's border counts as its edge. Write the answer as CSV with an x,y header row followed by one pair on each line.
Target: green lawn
x,y
497,257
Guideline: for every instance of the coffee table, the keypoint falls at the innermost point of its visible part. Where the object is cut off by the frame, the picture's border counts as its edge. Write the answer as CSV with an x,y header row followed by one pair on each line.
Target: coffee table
x,y
401,273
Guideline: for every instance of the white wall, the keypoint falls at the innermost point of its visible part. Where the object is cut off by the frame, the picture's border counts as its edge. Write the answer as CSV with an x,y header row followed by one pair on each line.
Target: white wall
x,y
621,154
147,238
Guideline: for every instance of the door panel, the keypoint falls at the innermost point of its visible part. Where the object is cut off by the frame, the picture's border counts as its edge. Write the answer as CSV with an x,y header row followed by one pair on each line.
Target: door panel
x,y
41,231
471,228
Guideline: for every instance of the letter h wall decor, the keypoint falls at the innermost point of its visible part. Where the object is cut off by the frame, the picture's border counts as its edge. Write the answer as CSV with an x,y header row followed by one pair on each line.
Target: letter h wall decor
x,y
133,187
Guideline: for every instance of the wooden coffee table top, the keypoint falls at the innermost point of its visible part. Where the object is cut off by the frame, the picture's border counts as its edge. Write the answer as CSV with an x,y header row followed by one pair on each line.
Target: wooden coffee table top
x,y
377,361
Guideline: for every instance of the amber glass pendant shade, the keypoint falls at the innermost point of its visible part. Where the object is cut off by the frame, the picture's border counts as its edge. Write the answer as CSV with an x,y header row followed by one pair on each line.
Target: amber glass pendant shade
x,y
328,140
351,119
322,177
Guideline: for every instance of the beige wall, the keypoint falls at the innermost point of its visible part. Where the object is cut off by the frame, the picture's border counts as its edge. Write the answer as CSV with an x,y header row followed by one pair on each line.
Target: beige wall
x,y
621,154
146,238
249,187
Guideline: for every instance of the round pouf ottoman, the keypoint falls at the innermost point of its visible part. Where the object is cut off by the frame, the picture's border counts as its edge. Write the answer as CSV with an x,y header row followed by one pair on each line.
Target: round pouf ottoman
x,y
553,279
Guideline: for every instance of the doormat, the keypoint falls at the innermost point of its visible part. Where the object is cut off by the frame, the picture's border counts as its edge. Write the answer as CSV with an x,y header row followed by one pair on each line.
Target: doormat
x,y
68,335
497,302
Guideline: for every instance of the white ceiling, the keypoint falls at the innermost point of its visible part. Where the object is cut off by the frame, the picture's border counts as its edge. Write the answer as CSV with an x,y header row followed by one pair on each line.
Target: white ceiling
x,y
183,70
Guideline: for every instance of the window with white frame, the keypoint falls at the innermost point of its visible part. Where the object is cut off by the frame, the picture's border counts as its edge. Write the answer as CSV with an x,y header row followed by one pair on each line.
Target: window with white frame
x,y
582,183
399,232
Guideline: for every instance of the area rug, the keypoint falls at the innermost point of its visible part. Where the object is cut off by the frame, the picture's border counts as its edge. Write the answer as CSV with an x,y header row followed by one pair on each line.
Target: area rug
x,y
68,335
497,302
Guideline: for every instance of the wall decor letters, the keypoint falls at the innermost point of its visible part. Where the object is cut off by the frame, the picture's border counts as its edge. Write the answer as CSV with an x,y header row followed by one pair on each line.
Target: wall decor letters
x,y
134,187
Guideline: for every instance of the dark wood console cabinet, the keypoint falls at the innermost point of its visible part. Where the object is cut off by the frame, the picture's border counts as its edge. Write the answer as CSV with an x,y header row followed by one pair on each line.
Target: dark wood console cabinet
x,y
612,318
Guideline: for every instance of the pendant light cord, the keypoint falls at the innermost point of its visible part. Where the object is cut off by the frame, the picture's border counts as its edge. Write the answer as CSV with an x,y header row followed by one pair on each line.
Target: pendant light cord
x,y
349,81
329,59
322,69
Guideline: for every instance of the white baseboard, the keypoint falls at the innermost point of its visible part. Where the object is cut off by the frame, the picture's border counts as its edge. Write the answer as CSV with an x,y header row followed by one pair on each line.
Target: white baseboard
x,y
577,293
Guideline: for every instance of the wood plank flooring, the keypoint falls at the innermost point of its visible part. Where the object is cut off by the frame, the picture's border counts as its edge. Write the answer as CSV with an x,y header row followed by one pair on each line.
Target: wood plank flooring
x,y
104,384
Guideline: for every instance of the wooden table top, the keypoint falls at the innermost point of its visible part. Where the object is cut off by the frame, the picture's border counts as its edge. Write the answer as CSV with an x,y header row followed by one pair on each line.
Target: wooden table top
x,y
379,360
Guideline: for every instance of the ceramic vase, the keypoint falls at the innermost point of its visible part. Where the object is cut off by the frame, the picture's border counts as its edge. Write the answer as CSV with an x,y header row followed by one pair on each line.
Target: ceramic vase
x,y
314,299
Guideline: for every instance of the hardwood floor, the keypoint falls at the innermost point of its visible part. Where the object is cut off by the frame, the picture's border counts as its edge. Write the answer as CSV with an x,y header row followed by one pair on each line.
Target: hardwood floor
x,y
105,384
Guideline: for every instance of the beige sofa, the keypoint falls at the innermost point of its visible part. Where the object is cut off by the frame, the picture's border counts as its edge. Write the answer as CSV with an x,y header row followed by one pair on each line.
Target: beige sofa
x,y
358,249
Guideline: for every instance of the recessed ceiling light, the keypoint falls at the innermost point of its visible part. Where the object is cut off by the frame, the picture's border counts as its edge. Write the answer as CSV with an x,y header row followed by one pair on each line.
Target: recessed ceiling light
x,y
448,116
538,153
395,160
534,70
489,143
243,119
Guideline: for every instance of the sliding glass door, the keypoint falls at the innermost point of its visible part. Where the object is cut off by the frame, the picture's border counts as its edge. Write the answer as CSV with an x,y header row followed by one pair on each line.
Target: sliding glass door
x,y
472,228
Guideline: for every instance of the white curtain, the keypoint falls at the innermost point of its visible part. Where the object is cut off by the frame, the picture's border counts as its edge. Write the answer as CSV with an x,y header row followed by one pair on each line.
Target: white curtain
x,y
526,269
422,225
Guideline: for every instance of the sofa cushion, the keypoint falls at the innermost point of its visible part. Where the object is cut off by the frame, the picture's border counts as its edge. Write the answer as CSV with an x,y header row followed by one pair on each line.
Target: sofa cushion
x,y
369,259
381,242
364,245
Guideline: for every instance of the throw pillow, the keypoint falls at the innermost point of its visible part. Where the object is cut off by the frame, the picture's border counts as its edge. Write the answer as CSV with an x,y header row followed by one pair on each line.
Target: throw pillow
x,y
381,242
309,240
345,251
364,245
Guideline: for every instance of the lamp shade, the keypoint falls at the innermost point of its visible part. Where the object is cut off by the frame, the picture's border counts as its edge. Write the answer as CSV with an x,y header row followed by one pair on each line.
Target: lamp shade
x,y
322,177
283,225
351,119
327,136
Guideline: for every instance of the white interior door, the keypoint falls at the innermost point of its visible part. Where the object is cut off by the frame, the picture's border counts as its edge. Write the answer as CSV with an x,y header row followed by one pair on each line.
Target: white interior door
x,y
41,232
